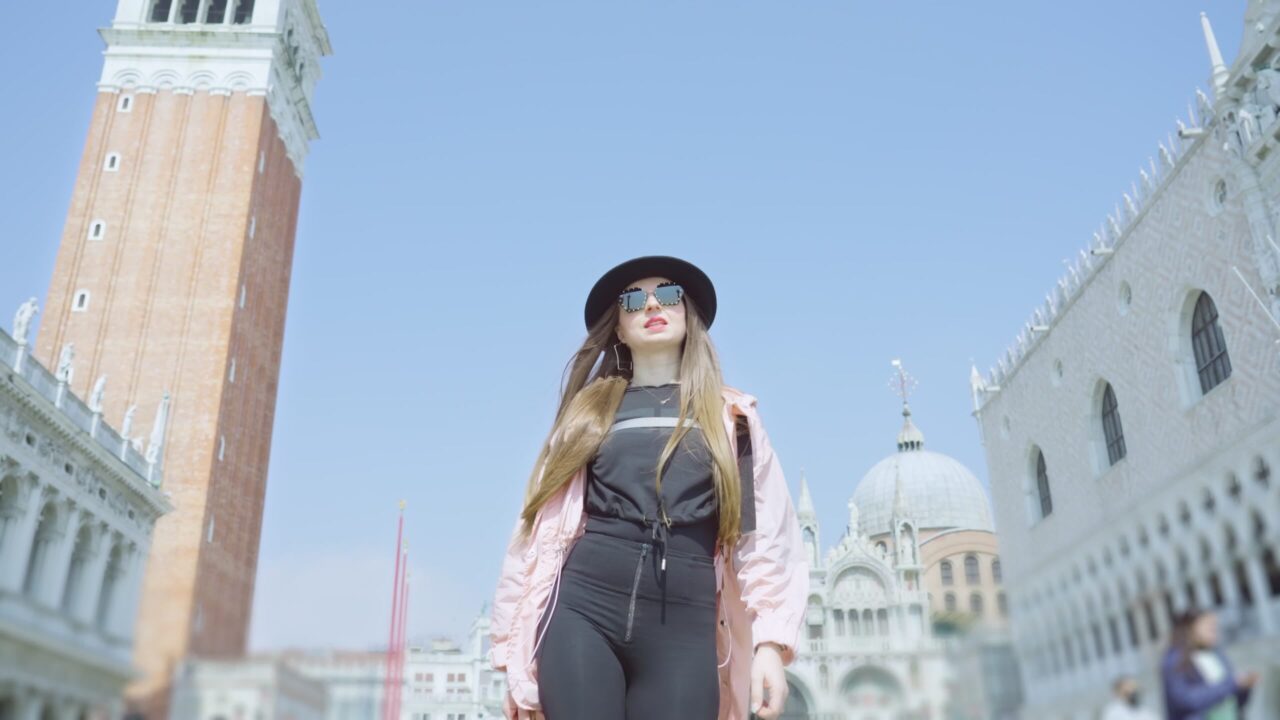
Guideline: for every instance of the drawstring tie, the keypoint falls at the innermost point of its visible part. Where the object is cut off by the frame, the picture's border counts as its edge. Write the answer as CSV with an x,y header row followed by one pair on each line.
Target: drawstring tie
x,y
660,535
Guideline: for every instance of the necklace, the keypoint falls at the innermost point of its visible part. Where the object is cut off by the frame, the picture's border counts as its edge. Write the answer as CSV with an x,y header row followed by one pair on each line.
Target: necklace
x,y
655,397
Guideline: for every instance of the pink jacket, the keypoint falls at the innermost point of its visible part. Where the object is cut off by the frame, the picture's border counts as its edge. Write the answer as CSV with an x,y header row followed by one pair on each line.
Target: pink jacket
x,y
763,600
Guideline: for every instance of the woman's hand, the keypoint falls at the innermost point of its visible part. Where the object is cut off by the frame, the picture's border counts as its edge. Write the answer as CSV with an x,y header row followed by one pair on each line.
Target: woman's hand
x,y
512,712
767,675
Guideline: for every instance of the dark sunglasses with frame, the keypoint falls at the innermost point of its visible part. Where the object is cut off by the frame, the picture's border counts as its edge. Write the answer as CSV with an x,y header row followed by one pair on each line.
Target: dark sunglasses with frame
x,y
633,299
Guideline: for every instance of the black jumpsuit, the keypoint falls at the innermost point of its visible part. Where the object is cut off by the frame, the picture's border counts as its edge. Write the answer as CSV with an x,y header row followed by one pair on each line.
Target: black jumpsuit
x,y
627,638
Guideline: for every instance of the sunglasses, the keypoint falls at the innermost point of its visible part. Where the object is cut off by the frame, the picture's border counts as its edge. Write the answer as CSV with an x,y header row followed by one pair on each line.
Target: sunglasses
x,y
633,299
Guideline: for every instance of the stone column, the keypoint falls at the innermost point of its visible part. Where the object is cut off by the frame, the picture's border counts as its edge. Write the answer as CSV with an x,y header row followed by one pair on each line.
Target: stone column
x,y
13,561
94,574
27,705
1261,594
55,573
125,613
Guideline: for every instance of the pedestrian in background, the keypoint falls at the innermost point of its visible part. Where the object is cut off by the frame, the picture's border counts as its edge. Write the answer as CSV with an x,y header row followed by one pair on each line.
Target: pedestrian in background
x,y
1199,683
1126,701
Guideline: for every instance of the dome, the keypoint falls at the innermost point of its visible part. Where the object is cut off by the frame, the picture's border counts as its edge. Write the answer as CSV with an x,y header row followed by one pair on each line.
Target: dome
x,y
937,490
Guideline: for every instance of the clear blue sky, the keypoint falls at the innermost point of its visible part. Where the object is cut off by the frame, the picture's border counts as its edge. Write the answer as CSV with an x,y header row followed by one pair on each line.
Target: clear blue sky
x,y
863,181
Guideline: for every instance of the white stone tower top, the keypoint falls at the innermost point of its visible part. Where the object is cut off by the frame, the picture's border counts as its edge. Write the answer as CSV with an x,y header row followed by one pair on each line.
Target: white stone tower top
x,y
261,47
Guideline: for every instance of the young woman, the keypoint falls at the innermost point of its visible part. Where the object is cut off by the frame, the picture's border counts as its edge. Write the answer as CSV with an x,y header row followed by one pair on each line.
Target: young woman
x,y
657,569
1199,683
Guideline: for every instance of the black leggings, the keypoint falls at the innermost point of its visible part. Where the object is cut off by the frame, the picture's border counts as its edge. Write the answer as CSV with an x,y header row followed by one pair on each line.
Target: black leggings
x,y
607,655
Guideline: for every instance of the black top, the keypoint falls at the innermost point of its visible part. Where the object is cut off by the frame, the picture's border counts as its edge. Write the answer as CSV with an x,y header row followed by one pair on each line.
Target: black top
x,y
620,478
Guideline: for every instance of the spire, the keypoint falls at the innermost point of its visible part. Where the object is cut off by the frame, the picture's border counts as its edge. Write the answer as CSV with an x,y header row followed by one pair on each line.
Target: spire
x,y
910,437
1219,69
155,448
976,387
805,509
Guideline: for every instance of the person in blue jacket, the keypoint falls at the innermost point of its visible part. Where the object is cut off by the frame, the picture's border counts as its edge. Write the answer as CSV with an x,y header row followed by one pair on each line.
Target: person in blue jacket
x,y
1199,683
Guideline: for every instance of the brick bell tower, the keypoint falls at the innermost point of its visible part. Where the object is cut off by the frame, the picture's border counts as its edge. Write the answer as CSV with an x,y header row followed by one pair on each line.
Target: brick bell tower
x,y
173,277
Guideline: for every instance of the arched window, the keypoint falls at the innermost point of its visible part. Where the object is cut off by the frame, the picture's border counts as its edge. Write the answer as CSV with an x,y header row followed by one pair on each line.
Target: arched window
x,y
949,601
947,578
244,12
996,573
975,604
1212,362
189,11
110,584
216,12
160,11
41,548
1002,604
1042,486
1111,428
75,573
971,576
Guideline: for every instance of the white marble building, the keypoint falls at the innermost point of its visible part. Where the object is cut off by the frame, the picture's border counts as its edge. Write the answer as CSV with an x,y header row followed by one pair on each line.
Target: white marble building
x,y
77,508
442,679
257,688
445,681
1133,429
916,519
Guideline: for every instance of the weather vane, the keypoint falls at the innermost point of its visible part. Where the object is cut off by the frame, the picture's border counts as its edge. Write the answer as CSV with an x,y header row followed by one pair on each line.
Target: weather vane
x,y
901,383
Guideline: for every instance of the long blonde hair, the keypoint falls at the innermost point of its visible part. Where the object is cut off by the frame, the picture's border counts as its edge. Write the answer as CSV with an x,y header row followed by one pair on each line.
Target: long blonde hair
x,y
590,394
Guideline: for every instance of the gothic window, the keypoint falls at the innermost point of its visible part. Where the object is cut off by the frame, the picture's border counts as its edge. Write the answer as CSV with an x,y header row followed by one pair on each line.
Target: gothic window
x,y
216,13
996,573
947,578
41,547
971,569
1111,428
160,11
1042,486
949,601
189,11
75,573
110,584
244,12
975,604
1212,362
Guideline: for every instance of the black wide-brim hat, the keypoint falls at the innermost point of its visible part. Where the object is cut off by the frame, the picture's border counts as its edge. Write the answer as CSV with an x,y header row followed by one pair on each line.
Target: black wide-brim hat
x,y
696,284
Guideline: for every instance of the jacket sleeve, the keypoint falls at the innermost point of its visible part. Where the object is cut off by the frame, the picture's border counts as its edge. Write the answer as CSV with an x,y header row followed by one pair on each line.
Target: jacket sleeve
x,y
511,583
771,566
1186,694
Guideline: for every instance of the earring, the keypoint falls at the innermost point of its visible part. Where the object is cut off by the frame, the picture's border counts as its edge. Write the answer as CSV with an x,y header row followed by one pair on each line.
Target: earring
x,y
618,359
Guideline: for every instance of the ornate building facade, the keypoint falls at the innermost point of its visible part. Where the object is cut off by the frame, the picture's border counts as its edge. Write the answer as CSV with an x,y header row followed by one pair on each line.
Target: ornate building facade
x,y
173,275
78,502
919,549
1133,429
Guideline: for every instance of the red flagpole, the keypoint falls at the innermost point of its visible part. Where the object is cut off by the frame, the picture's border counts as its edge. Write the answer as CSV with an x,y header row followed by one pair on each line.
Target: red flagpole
x,y
388,698
401,643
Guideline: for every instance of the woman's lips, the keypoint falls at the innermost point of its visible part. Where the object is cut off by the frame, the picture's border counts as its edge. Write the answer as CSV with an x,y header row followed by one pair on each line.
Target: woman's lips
x,y
655,324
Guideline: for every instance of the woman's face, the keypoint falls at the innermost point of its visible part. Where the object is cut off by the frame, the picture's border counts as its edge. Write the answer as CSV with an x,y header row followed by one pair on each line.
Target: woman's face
x,y
1204,631
654,326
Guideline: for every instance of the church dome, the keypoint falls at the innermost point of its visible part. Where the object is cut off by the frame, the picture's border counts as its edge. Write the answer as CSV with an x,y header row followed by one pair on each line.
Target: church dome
x,y
937,491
